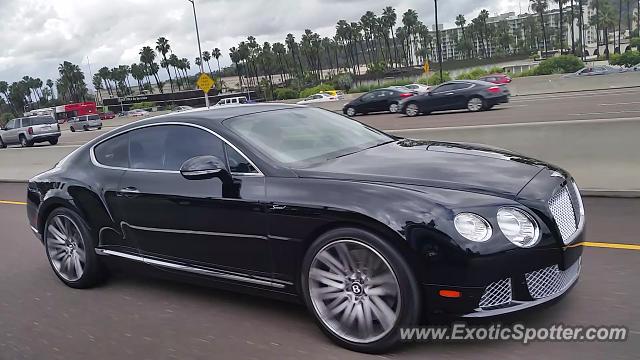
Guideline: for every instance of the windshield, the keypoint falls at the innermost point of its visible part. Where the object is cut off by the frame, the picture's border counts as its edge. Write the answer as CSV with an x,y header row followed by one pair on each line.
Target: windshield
x,y
297,137
42,120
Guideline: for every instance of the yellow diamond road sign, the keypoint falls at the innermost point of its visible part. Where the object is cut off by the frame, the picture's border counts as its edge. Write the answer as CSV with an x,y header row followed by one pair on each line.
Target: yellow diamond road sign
x,y
205,82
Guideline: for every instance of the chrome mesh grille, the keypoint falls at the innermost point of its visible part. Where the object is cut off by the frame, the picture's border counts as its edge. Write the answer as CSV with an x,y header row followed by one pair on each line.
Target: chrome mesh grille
x,y
563,213
550,280
497,293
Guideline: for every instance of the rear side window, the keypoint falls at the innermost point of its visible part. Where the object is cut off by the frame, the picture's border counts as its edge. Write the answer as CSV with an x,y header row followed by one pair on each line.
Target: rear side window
x,y
93,117
167,147
114,152
25,122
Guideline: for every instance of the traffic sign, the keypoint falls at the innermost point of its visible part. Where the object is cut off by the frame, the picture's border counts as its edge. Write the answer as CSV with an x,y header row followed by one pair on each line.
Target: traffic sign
x,y
205,82
426,67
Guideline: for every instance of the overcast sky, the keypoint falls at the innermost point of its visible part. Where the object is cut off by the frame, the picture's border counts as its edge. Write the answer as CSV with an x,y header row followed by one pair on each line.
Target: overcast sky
x,y
37,35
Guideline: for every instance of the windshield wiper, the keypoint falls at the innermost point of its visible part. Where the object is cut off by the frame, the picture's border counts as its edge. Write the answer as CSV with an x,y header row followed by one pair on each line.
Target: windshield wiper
x,y
363,149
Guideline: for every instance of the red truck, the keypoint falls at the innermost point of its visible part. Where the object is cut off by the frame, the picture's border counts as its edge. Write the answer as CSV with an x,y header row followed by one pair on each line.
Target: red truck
x,y
65,112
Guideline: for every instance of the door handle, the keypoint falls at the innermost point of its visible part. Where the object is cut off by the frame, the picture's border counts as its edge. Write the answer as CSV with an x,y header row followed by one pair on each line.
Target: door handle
x,y
449,93
129,191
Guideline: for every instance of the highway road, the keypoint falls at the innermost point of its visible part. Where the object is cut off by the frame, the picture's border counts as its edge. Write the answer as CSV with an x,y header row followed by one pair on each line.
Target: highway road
x,y
146,317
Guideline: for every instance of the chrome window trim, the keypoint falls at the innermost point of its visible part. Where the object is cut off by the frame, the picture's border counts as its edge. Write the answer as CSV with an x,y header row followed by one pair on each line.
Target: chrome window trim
x,y
98,164
259,280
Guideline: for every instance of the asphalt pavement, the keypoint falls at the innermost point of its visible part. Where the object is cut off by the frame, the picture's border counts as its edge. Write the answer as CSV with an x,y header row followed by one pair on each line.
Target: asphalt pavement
x,y
139,317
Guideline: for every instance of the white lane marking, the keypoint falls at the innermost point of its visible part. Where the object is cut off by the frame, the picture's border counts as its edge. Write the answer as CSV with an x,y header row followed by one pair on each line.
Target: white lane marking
x,y
558,122
560,97
622,103
605,113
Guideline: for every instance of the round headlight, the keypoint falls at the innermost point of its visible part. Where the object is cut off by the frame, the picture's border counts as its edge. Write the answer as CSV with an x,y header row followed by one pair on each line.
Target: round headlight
x,y
519,227
473,227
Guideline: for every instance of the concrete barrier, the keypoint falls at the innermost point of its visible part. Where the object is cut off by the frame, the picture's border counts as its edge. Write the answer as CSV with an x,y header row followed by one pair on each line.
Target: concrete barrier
x,y
603,155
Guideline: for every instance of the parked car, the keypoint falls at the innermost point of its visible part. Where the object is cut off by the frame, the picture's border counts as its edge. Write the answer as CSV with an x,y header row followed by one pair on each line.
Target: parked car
x,y
137,113
369,230
182,108
27,131
497,79
316,98
107,115
376,101
419,88
597,70
85,122
232,101
337,93
473,95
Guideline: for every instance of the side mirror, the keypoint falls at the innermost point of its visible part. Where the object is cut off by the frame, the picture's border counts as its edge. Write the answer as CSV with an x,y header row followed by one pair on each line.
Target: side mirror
x,y
204,167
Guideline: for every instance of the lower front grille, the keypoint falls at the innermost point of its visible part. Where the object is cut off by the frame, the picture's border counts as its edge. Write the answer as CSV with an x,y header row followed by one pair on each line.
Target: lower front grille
x,y
496,294
550,280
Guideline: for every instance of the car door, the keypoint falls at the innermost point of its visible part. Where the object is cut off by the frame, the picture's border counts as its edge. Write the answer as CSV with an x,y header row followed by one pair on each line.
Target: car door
x,y
367,102
10,135
204,223
459,95
440,98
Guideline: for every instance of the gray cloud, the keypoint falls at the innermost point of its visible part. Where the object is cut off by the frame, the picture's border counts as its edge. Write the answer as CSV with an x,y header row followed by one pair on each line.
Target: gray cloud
x,y
37,35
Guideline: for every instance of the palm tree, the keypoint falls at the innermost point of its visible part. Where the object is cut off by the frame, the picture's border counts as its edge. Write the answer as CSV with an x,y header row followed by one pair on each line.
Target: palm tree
x,y
49,83
216,54
292,45
410,21
185,65
97,84
163,47
540,6
206,56
461,21
173,62
595,5
561,4
607,20
148,56
389,19
618,49
573,35
234,54
137,72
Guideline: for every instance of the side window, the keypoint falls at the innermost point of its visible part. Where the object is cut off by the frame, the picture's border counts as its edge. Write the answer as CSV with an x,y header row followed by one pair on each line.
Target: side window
x,y
461,86
167,147
370,96
25,123
237,162
114,152
444,88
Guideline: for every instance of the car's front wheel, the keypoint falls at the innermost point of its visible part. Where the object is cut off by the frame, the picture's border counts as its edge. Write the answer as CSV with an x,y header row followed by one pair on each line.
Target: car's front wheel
x,y
412,109
393,108
24,142
475,104
53,141
70,249
2,144
72,129
351,111
359,289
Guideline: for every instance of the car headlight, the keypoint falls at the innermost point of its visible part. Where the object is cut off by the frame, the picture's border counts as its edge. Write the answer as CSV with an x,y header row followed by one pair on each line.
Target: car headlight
x,y
472,227
518,226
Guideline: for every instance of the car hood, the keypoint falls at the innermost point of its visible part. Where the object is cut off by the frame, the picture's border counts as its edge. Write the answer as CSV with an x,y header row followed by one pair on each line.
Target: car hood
x,y
458,166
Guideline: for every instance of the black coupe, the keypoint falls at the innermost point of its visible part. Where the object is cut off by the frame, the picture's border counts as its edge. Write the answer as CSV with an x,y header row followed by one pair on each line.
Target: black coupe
x,y
473,95
370,231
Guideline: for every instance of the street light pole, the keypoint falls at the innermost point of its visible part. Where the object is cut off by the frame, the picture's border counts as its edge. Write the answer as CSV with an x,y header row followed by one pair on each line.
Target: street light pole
x,y
438,41
195,18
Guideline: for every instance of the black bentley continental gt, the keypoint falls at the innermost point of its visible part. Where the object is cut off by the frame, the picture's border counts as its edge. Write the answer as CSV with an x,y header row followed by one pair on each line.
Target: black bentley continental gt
x,y
370,231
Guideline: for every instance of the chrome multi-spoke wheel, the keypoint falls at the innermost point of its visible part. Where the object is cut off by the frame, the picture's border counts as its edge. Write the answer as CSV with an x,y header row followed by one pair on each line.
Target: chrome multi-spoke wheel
x,y
393,108
412,109
475,104
354,291
65,247
351,111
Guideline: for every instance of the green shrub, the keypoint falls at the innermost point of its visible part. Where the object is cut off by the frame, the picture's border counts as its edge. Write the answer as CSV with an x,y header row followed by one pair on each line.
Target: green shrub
x,y
559,65
4,118
314,90
435,79
627,59
343,81
286,93
635,42
143,105
495,70
525,73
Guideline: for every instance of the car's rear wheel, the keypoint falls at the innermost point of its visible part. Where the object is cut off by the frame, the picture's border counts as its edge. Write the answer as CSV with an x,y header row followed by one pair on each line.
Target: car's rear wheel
x,y
53,141
359,289
70,249
72,129
85,128
24,142
351,111
412,109
2,144
475,104
393,108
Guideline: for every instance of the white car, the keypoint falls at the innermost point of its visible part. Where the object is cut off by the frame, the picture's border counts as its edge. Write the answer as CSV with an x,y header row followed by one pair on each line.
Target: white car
x,y
232,101
317,98
137,112
182,108
420,88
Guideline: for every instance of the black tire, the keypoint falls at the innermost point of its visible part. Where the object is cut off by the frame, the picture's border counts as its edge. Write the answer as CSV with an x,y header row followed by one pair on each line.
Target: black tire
x,y
2,144
24,142
72,129
350,111
94,271
85,128
409,303
53,141
100,128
